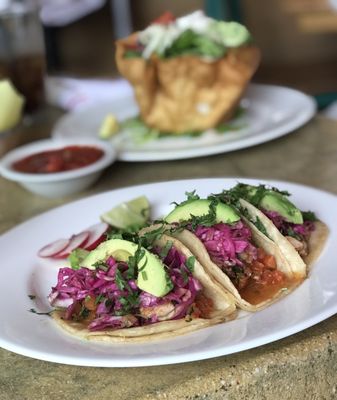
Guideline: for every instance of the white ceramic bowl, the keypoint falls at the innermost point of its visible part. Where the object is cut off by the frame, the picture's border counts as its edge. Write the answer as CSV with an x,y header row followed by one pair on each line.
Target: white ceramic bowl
x,y
57,184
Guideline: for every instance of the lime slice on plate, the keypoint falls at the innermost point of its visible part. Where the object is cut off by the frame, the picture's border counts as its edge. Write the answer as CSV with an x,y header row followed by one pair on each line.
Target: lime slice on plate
x,y
109,127
135,212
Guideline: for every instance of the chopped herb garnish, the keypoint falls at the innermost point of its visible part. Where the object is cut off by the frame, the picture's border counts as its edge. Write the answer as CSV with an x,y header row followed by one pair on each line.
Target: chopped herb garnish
x,y
128,303
123,301
191,196
148,238
309,216
144,275
208,219
120,281
169,282
136,262
292,233
84,313
32,310
101,265
76,258
258,223
184,275
116,235
32,296
165,250
190,263
253,194
100,299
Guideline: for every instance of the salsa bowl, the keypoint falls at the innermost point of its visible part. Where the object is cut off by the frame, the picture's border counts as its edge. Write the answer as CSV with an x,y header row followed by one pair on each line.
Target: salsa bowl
x,y
57,168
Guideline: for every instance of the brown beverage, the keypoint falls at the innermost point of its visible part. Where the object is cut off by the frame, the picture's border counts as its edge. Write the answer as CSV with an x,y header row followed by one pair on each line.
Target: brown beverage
x,y
22,58
26,73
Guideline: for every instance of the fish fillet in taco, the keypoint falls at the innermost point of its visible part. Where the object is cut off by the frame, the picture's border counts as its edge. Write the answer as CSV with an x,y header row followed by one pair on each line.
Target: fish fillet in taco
x,y
124,292
235,252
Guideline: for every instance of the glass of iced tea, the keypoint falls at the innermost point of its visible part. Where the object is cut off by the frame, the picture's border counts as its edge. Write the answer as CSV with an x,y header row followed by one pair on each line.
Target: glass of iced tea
x,y
22,51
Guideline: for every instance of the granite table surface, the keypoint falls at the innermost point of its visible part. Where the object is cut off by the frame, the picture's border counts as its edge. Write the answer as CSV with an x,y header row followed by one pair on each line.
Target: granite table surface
x,y
303,365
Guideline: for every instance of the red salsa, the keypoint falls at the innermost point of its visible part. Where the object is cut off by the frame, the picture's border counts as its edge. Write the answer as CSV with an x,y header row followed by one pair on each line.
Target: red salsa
x,y
64,159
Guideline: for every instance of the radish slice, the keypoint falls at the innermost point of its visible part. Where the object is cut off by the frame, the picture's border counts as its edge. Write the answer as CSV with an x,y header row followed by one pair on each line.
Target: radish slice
x,y
97,235
54,248
75,242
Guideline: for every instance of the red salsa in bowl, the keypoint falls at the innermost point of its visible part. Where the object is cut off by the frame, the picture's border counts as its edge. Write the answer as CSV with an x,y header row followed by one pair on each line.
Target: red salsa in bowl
x,y
58,160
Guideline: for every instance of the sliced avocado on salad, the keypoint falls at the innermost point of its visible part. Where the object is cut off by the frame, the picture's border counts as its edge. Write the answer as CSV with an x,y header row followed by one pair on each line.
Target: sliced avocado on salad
x,y
269,199
209,211
152,275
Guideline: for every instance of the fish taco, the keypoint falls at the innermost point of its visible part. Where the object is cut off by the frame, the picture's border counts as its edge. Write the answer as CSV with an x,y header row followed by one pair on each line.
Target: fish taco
x,y
138,291
299,234
242,258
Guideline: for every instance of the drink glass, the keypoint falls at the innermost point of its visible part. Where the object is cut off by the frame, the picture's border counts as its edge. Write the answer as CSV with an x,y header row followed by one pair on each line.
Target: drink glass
x,y
22,51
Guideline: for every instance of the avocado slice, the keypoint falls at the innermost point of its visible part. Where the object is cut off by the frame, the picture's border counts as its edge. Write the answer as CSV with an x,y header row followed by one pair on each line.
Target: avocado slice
x,y
152,276
270,200
274,201
200,207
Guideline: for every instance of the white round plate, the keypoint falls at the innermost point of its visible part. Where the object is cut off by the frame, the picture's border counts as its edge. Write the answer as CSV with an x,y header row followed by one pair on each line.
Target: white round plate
x,y
37,336
269,112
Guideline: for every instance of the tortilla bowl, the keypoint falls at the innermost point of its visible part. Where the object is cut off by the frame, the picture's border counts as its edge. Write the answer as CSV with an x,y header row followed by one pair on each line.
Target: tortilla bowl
x,y
187,93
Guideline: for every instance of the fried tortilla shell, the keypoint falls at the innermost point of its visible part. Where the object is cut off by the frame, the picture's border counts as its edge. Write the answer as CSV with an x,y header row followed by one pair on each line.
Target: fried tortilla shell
x,y
223,303
187,93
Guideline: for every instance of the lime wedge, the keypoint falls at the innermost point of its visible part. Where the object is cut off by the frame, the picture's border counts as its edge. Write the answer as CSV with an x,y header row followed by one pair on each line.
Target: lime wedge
x,y
109,127
133,213
11,105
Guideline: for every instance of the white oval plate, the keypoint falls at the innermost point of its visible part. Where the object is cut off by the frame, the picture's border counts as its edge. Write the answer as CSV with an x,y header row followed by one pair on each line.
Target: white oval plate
x,y
270,112
37,336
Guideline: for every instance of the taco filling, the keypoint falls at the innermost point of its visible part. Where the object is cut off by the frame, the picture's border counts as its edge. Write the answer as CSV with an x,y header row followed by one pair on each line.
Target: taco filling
x,y
236,253
302,229
108,297
252,270
297,234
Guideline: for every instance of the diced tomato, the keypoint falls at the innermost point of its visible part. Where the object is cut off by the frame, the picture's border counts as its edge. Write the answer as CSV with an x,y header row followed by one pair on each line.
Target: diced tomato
x,y
90,304
257,267
204,305
260,253
165,18
265,269
269,261
272,277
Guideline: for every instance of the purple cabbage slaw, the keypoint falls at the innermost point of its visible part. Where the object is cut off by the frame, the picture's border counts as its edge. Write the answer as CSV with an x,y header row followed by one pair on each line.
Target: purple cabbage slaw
x,y
120,303
301,231
228,244
230,248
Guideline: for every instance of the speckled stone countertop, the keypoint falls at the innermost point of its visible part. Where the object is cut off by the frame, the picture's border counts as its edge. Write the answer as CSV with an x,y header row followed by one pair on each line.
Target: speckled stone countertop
x,y
300,366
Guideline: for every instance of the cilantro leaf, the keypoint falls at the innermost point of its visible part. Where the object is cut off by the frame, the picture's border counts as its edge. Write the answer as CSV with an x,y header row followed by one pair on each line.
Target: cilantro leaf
x,y
165,250
190,263
76,258
309,216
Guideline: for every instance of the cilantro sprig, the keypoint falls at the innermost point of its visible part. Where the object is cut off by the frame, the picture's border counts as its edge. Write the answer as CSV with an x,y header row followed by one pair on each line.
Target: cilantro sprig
x,y
253,194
